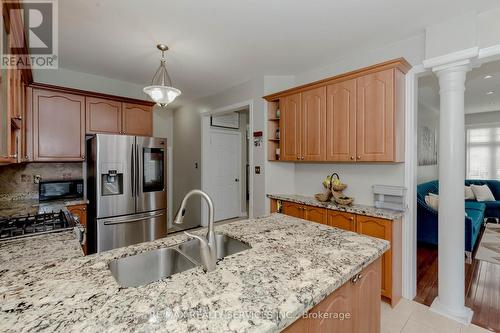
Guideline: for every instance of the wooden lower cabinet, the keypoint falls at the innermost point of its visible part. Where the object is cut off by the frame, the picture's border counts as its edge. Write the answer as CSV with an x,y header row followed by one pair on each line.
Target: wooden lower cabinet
x,y
391,277
292,209
315,214
80,211
346,221
391,260
354,307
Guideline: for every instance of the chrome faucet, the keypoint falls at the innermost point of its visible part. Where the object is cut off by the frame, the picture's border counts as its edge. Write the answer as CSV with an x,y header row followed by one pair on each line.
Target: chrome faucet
x,y
208,248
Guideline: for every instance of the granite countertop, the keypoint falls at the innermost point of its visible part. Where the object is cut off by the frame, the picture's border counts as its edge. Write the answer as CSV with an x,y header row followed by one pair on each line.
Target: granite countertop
x,y
293,265
354,208
23,204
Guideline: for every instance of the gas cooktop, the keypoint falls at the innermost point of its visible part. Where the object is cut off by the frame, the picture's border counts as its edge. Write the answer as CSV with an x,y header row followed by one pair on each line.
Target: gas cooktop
x,y
30,225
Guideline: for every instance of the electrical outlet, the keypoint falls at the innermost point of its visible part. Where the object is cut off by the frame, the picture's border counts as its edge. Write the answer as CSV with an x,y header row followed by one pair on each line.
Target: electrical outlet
x,y
257,170
25,178
36,179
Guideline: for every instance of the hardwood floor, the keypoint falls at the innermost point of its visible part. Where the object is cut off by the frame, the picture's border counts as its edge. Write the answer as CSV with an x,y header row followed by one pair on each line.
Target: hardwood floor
x,y
482,286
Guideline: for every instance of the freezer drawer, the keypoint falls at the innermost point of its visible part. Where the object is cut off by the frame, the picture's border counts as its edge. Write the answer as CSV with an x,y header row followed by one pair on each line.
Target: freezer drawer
x,y
131,229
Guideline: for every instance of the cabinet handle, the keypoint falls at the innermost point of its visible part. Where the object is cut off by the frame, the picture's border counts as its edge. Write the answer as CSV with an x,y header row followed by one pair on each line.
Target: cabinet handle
x,y
83,156
352,158
359,157
356,278
351,218
298,157
302,158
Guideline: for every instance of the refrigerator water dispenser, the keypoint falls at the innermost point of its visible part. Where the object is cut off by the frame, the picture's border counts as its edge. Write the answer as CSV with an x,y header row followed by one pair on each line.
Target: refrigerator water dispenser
x,y
112,183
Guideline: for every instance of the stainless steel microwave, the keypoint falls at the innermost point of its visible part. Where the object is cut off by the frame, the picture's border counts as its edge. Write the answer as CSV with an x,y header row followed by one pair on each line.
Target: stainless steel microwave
x,y
60,189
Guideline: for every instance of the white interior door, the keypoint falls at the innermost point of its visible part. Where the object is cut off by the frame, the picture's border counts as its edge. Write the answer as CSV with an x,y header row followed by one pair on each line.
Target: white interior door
x,y
224,176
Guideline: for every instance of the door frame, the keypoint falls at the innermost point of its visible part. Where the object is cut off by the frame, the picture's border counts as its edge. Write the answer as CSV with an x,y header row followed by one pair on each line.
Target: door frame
x,y
484,55
205,131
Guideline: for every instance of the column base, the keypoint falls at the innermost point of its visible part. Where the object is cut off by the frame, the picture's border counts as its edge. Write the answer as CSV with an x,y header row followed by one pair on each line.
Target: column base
x,y
463,317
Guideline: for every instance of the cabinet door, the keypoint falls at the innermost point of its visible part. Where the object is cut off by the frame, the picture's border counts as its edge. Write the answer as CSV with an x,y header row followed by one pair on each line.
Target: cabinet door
x,y
80,211
341,121
292,209
341,302
103,116
137,119
313,121
346,221
315,214
379,228
58,126
375,117
367,299
290,131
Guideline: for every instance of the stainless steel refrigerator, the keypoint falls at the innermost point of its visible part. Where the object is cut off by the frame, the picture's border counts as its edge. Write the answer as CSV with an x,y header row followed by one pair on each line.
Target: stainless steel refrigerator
x,y
127,190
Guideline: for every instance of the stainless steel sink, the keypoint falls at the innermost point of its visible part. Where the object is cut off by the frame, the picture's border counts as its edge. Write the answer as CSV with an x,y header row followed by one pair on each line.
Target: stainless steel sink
x,y
144,268
226,246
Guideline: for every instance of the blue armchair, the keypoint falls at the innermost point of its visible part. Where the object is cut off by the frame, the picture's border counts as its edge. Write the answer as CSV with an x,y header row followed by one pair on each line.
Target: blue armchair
x,y
427,218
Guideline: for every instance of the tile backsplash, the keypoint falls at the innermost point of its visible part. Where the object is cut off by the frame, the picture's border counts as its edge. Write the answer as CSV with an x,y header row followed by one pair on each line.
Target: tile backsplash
x,y
18,178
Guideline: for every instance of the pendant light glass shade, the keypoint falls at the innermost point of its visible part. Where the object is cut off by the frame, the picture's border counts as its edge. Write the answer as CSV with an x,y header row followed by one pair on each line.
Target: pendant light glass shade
x,y
161,90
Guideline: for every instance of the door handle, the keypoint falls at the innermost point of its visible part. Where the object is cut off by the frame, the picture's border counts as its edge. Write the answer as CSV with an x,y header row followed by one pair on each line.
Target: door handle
x,y
132,173
134,219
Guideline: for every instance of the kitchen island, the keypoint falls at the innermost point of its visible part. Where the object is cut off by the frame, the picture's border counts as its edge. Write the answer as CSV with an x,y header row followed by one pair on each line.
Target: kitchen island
x,y
293,266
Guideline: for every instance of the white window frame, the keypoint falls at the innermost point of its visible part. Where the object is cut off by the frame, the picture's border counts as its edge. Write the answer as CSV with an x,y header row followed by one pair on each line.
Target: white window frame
x,y
467,144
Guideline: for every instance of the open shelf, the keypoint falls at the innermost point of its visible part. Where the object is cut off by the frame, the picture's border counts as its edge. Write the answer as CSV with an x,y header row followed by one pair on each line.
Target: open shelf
x,y
273,124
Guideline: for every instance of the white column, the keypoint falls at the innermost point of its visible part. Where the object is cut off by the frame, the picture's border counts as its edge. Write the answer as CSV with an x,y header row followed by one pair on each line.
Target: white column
x,y
451,292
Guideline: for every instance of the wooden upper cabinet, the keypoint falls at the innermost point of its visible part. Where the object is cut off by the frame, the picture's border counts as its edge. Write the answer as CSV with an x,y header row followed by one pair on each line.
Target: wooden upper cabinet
x,y
290,129
103,116
375,117
313,121
341,121
58,126
137,119
352,117
346,221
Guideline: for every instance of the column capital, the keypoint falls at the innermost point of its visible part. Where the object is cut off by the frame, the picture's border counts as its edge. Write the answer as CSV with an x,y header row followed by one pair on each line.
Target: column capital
x,y
459,61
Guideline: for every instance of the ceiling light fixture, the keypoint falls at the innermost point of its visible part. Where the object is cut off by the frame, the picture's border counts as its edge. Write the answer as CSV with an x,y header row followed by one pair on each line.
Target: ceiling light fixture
x,y
161,90
490,93
487,77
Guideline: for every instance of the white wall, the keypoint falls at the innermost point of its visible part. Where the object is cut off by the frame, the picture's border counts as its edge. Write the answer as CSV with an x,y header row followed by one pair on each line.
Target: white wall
x,y
482,118
412,49
78,80
359,178
186,154
430,118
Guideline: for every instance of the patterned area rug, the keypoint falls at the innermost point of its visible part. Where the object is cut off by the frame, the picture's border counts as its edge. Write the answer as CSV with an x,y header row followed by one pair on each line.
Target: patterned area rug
x,y
489,248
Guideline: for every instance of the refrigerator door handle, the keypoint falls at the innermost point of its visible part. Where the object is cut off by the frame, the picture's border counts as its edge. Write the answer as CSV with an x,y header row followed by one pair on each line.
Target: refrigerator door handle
x,y
137,170
132,173
110,222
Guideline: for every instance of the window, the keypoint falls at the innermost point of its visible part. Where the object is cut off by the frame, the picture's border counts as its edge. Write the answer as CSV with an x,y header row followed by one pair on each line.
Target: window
x,y
483,152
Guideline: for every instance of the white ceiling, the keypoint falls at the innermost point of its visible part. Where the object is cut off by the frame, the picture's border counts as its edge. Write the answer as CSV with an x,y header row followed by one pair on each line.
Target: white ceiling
x,y
476,89
219,43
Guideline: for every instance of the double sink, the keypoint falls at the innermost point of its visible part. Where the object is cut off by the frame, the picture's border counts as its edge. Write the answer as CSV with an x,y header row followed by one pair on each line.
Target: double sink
x,y
154,265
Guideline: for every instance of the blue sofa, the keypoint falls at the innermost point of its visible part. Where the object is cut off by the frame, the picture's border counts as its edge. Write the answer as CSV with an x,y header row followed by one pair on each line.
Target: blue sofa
x,y
427,218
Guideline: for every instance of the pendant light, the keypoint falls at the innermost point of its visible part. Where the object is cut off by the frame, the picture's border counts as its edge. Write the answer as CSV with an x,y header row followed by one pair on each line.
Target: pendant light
x,y
161,90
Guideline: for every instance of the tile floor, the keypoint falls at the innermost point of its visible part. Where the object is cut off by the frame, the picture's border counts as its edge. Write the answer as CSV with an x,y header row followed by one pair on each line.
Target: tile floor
x,y
412,317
